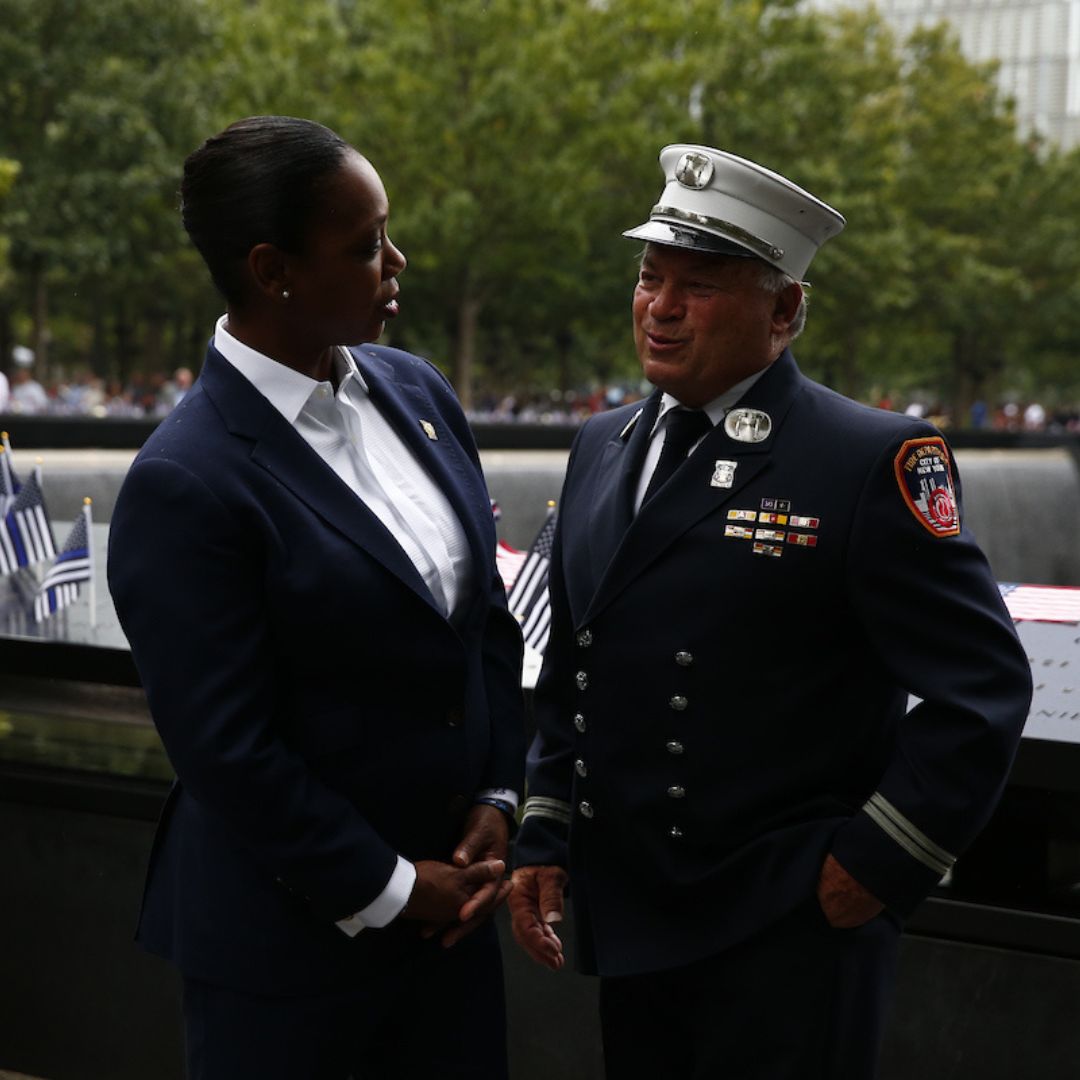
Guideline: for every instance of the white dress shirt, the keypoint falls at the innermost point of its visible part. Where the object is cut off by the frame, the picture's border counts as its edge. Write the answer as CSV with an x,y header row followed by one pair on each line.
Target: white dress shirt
x,y
350,434
346,430
716,410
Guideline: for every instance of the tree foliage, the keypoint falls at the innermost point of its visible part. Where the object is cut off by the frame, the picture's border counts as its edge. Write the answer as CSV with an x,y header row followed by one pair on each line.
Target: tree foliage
x,y
99,101
518,139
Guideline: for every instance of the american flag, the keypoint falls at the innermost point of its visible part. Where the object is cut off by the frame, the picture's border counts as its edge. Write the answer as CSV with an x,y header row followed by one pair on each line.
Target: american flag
x,y
17,592
26,535
1042,603
72,565
529,601
508,561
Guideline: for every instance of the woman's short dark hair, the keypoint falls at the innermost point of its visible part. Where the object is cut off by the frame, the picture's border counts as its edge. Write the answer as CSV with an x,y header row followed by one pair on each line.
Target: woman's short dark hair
x,y
257,182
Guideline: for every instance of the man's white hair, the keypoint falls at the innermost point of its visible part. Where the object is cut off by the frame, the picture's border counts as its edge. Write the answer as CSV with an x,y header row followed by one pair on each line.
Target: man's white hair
x,y
774,280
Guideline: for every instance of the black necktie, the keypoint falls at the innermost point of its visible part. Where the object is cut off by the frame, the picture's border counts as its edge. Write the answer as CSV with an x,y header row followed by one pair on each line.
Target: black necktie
x,y
684,428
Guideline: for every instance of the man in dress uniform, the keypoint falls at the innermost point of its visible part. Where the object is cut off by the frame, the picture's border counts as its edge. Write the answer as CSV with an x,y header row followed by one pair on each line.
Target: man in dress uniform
x,y
751,575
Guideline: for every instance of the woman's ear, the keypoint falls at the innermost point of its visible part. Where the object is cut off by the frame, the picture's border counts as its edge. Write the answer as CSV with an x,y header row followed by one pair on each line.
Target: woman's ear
x,y
269,273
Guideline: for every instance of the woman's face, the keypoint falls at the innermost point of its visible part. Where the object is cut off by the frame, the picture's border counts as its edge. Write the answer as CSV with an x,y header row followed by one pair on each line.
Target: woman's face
x,y
343,283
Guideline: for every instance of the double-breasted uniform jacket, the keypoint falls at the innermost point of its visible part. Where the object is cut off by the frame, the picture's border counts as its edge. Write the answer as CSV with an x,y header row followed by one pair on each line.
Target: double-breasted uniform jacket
x,y
321,713
723,698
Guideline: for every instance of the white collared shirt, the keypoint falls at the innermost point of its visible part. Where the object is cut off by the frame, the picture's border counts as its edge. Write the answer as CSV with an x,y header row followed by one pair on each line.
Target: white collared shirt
x,y
346,430
359,444
716,410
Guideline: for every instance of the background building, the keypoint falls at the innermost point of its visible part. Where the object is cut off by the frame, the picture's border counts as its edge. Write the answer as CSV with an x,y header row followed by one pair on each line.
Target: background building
x,y
1036,42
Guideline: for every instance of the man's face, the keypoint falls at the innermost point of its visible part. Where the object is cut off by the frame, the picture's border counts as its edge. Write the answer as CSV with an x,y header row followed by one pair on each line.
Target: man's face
x,y
702,323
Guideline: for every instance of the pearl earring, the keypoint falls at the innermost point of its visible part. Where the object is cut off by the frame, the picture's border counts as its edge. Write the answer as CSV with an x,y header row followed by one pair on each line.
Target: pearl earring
x,y
284,294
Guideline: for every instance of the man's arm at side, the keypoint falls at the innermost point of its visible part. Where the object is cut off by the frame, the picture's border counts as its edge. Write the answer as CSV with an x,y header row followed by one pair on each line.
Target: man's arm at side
x,y
931,609
540,849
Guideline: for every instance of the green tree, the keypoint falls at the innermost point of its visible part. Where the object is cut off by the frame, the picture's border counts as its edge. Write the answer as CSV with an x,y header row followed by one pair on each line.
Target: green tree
x,y
963,166
9,171
97,100
518,139
477,123
1041,225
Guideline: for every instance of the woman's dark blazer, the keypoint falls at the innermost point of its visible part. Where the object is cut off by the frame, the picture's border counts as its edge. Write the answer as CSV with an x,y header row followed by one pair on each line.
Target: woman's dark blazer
x,y
321,714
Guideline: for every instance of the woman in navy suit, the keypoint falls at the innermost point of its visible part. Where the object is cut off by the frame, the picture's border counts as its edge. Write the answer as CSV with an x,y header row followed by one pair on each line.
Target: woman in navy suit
x,y
302,557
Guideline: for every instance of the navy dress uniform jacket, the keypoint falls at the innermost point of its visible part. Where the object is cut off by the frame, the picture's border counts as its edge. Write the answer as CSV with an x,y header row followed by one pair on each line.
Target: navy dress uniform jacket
x,y
721,704
321,714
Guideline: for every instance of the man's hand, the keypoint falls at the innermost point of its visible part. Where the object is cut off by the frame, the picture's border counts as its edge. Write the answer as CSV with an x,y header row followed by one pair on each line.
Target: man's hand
x,y
844,901
536,903
442,891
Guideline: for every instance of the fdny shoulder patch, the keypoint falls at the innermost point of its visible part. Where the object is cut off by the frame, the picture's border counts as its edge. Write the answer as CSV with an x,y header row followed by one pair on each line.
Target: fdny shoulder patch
x,y
925,479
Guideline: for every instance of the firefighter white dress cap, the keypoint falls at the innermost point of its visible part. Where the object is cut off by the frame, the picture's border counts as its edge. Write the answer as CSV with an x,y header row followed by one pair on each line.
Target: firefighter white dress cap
x,y
715,201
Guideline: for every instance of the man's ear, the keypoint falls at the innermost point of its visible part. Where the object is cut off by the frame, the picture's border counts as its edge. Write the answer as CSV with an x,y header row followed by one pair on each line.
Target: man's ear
x,y
786,307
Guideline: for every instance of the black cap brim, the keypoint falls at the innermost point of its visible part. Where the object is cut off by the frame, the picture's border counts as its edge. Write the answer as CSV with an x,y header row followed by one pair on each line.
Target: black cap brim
x,y
690,239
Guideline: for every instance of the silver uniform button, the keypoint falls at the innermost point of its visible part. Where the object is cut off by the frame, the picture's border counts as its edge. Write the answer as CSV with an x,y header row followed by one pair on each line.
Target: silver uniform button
x,y
585,809
678,703
584,638
676,791
684,659
579,723
580,769
675,832
674,746
582,680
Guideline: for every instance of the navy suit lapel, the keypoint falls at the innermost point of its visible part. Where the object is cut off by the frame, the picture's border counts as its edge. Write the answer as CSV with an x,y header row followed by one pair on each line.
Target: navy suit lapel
x,y
407,407
615,484
283,453
690,495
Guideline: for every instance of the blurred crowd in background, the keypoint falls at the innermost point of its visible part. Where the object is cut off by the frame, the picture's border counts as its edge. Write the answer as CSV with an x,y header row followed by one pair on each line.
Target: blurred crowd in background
x,y
155,395
570,407
86,394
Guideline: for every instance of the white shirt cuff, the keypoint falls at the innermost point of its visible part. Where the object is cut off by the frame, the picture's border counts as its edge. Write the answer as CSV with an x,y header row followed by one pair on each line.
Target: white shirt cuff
x,y
388,905
500,793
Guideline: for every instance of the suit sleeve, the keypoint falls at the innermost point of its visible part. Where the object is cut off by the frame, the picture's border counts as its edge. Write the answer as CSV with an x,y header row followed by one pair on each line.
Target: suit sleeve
x,y
933,614
502,649
189,588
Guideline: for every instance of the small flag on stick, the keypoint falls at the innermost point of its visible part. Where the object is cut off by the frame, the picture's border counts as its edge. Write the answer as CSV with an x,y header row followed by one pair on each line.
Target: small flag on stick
x,y
73,564
529,601
26,536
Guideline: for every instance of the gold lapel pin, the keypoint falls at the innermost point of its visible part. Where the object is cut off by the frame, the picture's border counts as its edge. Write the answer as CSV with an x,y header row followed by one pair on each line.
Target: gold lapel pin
x,y
429,430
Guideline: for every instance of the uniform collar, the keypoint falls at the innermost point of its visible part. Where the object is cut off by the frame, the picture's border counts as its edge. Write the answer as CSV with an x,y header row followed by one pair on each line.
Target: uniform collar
x,y
716,409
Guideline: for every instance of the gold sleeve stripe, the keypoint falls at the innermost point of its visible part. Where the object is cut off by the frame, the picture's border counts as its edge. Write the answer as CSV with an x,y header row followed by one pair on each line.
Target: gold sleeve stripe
x,y
541,806
915,842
